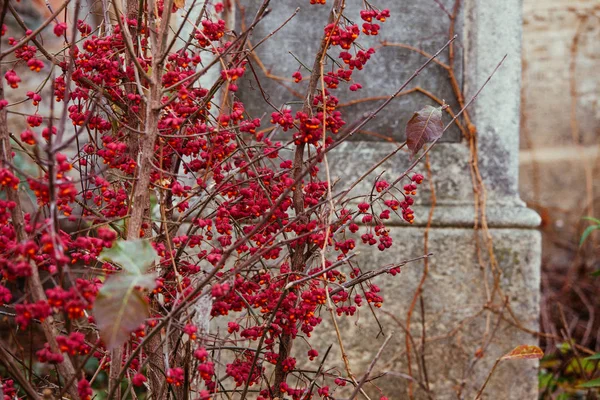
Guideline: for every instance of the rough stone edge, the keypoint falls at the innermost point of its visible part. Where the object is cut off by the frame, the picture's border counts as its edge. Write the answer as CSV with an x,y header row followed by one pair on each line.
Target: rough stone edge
x,y
492,30
463,216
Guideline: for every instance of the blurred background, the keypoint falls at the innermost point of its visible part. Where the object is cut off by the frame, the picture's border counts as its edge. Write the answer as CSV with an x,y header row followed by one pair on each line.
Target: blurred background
x,y
559,173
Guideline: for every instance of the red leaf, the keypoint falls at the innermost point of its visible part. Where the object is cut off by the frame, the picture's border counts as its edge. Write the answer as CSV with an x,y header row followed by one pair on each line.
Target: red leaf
x,y
425,126
120,307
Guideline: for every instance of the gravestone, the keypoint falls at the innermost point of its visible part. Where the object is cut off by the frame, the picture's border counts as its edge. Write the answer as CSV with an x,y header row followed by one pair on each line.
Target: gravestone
x,y
463,338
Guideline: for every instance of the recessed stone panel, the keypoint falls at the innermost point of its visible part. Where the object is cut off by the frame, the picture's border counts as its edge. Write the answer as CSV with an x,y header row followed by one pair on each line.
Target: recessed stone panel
x,y
421,24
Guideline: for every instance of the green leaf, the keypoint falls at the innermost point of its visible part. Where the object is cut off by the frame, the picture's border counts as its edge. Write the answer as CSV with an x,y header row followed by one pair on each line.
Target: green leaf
x,y
594,383
594,357
596,220
564,347
120,306
545,379
587,232
596,273
134,256
425,126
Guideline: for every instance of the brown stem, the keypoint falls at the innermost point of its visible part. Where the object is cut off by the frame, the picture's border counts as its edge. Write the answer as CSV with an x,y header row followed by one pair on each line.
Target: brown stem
x,y
131,12
419,291
487,380
13,370
370,369
140,199
298,256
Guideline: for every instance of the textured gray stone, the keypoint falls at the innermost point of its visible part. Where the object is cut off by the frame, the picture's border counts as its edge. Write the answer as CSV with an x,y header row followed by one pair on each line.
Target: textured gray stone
x,y
418,23
494,30
491,31
454,290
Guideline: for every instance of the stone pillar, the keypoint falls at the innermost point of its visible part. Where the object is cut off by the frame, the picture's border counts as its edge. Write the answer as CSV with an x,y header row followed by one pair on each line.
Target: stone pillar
x,y
463,338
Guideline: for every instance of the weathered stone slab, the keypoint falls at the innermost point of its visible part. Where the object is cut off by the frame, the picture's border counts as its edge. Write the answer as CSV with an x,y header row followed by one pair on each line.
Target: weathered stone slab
x,y
454,295
421,24
455,291
560,82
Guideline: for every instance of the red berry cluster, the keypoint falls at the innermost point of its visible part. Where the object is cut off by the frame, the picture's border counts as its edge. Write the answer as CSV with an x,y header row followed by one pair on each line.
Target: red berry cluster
x,y
175,376
211,31
342,36
410,190
84,389
332,79
12,79
29,311
369,28
357,61
8,388
74,344
213,166
46,355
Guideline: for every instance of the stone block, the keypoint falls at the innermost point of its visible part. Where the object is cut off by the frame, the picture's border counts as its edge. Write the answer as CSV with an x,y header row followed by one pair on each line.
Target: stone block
x,y
454,296
560,79
416,23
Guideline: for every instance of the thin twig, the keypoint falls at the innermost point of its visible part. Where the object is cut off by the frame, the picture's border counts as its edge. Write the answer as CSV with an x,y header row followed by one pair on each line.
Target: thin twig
x,y
36,32
370,369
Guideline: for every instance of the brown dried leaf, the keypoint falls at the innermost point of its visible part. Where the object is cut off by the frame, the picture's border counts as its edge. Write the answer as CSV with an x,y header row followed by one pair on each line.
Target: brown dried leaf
x,y
179,3
425,126
120,307
524,352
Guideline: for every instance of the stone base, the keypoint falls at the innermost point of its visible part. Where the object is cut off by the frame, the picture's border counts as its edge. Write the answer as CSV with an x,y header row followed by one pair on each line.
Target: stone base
x,y
454,295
